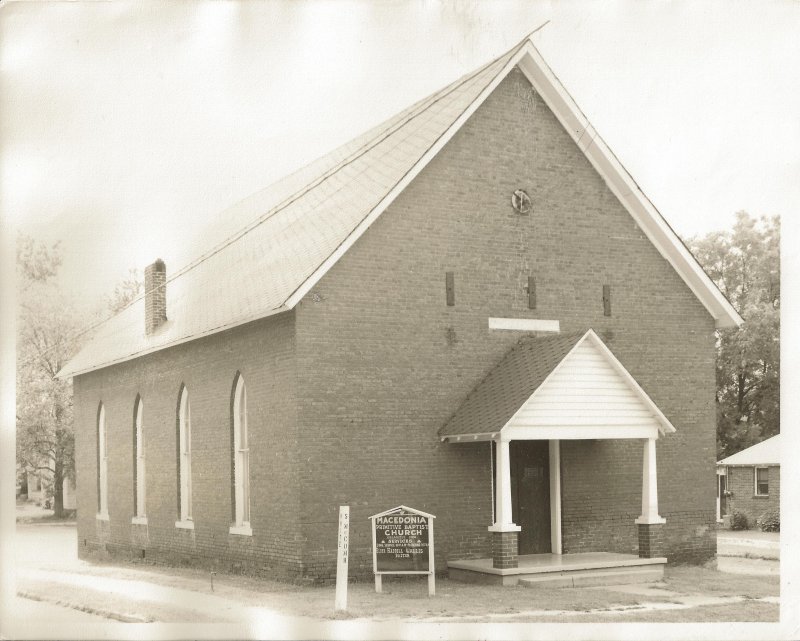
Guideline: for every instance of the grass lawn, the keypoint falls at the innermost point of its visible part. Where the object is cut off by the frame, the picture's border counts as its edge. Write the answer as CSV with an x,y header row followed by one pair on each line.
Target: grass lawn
x,y
690,579
28,513
67,519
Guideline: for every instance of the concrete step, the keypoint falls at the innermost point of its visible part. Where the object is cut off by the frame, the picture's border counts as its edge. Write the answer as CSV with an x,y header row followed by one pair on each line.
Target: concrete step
x,y
585,578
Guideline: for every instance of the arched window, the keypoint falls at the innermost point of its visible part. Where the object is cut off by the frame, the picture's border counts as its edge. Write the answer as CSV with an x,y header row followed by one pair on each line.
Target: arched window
x,y
241,459
184,459
138,460
102,463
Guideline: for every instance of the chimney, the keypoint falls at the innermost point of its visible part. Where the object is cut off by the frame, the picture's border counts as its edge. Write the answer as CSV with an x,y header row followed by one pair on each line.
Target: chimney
x,y
155,296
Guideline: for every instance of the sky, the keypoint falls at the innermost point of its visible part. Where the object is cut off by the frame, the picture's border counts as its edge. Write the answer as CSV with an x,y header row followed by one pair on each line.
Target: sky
x,y
127,128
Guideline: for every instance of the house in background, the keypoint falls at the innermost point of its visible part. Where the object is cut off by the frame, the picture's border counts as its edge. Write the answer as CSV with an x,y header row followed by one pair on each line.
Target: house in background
x,y
37,483
472,309
36,487
750,480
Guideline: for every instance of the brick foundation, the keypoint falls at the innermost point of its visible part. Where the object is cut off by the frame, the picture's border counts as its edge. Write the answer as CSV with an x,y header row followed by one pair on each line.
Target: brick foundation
x,y
505,549
651,540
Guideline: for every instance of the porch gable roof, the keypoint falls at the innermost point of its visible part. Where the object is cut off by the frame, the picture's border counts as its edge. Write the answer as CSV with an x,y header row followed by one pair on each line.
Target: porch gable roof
x,y
493,401
564,386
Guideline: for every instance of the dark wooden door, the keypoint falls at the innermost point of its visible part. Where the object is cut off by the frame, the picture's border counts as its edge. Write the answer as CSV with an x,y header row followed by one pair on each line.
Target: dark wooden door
x,y
530,495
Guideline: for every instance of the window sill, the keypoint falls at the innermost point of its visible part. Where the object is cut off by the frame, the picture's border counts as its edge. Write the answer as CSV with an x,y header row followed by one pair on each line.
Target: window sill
x,y
242,530
185,525
760,496
102,516
139,520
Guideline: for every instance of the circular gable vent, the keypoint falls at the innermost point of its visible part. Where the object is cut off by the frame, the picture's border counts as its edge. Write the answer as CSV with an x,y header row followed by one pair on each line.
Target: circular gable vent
x,y
521,202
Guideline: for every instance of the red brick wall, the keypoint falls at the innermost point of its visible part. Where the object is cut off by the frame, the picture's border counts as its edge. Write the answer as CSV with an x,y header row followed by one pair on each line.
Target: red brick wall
x,y
743,497
383,362
263,352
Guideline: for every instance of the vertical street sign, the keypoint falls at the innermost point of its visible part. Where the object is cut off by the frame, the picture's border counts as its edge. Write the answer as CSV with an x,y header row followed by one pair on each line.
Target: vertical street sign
x,y
343,553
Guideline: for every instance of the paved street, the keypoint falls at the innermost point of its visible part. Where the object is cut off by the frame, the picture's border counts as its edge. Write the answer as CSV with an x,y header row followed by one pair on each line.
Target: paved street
x,y
750,543
47,546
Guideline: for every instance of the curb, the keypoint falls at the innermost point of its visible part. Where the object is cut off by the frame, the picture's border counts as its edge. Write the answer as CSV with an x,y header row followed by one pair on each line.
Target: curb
x,y
747,555
108,614
751,543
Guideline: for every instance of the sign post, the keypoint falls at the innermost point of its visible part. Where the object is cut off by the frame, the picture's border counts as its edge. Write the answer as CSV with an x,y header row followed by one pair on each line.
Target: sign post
x,y
402,543
343,552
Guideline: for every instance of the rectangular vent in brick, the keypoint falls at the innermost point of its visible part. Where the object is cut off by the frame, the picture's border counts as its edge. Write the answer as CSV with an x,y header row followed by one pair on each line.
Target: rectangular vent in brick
x,y
450,289
607,300
531,292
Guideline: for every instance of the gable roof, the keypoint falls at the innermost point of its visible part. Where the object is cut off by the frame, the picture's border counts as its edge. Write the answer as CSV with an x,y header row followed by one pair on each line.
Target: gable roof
x,y
402,508
303,224
515,385
764,453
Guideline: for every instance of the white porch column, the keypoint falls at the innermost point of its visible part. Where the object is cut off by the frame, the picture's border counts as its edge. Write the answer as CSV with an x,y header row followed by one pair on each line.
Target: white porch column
x,y
503,521
555,496
649,485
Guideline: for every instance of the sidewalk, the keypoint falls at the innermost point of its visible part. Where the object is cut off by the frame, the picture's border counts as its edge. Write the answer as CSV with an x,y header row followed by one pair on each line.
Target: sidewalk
x,y
133,601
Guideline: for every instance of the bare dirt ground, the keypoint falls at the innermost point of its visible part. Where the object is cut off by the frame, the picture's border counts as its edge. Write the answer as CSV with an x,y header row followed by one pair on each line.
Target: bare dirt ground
x,y
49,569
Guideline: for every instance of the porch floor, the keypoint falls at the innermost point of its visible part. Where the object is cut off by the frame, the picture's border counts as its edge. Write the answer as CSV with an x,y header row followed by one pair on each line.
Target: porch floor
x,y
587,568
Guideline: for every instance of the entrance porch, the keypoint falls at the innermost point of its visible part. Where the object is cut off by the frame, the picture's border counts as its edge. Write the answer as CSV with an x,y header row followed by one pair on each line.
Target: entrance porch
x,y
546,391
562,570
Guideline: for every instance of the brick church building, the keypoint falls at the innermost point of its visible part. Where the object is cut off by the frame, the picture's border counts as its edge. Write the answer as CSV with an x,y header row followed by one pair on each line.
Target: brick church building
x,y
472,309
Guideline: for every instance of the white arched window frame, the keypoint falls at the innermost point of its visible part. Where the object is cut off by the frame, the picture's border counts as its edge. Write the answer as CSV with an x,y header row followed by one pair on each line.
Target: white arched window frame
x,y
241,461
140,513
102,464
185,461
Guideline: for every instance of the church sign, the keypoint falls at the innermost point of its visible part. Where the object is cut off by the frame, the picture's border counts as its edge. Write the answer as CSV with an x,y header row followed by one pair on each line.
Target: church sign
x,y
402,543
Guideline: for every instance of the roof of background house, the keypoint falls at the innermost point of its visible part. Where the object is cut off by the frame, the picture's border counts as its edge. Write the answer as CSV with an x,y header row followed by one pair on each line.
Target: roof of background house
x,y
764,453
304,223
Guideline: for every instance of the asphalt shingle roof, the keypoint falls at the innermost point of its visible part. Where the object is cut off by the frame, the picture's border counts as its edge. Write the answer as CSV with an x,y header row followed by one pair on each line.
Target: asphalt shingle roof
x,y
764,453
294,226
492,403
282,239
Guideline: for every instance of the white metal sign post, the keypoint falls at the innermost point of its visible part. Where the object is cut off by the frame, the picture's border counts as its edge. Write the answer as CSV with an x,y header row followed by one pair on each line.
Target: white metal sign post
x,y
342,556
402,543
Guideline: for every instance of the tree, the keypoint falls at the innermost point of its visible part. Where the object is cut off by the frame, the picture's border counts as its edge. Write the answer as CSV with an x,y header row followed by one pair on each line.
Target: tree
x,y
45,341
49,332
745,264
126,291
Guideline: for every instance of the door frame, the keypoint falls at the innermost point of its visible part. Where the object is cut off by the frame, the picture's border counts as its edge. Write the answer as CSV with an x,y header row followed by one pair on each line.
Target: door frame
x,y
554,449
554,461
721,471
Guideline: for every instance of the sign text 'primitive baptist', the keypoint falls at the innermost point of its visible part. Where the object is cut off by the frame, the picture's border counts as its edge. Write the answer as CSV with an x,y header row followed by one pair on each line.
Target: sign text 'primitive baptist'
x,y
401,543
